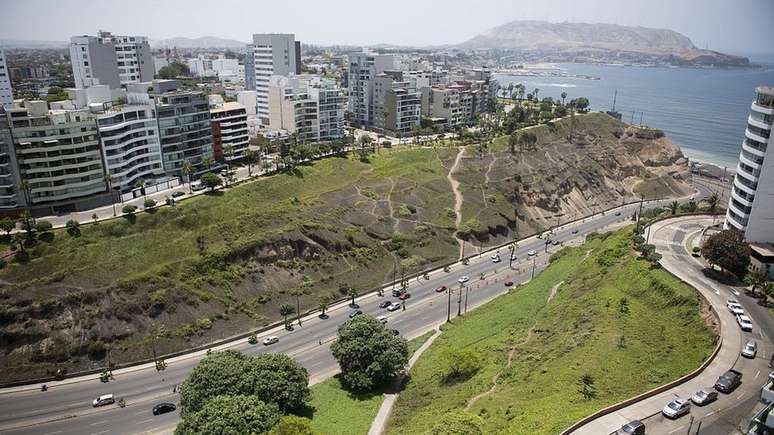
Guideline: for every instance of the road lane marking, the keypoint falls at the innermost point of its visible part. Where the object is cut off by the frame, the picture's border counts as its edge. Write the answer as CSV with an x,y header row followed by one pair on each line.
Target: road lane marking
x,y
98,423
679,428
739,396
736,292
100,433
140,413
144,421
710,413
757,374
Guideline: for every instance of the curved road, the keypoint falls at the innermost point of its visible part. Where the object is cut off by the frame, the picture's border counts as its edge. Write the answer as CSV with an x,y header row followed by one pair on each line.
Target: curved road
x,y
65,407
674,239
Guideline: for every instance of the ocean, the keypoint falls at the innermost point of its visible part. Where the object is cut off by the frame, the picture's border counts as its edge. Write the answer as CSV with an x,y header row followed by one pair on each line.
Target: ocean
x,y
702,110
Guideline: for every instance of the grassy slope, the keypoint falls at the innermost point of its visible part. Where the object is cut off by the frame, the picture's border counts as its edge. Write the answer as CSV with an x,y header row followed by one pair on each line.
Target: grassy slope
x,y
336,411
576,333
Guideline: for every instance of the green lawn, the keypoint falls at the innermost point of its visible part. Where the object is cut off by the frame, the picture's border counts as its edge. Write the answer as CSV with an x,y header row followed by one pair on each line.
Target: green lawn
x,y
337,411
582,330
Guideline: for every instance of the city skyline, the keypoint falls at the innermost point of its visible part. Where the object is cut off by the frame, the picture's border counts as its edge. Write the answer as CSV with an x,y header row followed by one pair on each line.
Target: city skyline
x,y
738,28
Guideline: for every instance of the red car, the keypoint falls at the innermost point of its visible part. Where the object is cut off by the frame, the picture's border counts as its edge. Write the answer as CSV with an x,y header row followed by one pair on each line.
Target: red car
x,y
441,289
404,296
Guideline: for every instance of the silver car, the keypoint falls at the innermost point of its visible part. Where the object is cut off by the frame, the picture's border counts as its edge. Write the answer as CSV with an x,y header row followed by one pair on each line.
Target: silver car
x,y
703,397
750,349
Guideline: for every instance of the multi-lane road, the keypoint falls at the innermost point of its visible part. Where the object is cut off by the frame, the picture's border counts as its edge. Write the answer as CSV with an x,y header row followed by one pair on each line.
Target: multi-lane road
x,y
65,408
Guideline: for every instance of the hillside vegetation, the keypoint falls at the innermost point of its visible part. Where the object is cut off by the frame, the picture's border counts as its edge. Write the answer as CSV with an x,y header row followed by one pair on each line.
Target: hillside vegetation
x,y
222,263
596,311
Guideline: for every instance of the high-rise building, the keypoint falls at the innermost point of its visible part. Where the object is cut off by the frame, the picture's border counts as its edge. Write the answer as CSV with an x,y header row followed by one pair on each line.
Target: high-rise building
x,y
111,60
9,180
58,158
308,106
396,103
230,140
6,93
751,206
363,69
270,54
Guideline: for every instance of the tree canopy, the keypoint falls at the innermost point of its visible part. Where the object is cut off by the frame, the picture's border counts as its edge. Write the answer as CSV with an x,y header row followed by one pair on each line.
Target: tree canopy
x,y
293,425
368,354
458,423
231,415
728,250
211,181
173,70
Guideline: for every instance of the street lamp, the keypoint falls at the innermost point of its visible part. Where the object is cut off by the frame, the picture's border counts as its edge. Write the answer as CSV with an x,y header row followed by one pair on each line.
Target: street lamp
x,y
459,300
534,260
448,307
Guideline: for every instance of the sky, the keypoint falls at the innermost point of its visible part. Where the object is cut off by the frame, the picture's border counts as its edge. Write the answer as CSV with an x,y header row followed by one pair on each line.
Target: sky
x,y
734,26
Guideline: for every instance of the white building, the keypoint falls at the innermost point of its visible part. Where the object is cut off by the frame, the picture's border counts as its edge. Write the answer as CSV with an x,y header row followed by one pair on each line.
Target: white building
x,y
270,54
751,206
230,138
363,69
310,107
110,60
6,92
249,100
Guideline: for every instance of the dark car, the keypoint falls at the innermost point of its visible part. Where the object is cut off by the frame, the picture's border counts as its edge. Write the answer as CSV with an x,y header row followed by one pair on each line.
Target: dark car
x,y
177,194
634,427
555,243
728,381
385,304
404,296
441,289
508,283
163,408
618,213
575,231
395,332
354,314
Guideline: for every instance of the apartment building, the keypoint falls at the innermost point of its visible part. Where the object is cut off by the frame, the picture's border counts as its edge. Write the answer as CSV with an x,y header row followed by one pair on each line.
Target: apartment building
x,y
185,130
230,139
9,180
449,103
270,54
396,103
111,60
6,92
58,158
363,69
308,106
751,206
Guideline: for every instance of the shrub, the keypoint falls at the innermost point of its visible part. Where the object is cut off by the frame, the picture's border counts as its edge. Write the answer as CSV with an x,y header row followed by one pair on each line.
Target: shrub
x,y
149,203
43,226
129,209
73,227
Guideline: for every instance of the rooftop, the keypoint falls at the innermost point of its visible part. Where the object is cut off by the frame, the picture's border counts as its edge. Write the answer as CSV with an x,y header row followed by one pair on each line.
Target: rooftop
x,y
231,105
764,249
768,90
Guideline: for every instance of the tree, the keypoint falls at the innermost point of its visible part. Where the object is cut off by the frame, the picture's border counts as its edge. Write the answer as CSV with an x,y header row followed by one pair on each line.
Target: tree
x,y
587,388
691,206
673,207
149,203
43,226
173,70
324,301
188,169
564,95
768,290
581,103
513,140
140,184
297,293
73,227
278,378
368,354
7,225
240,414
754,280
129,209
293,425
460,363
211,181
352,293
458,423
251,157
27,222
285,311
712,202
728,250
527,140
216,374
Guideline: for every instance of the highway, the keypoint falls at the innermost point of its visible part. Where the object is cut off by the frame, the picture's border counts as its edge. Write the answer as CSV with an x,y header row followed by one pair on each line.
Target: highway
x,y
66,407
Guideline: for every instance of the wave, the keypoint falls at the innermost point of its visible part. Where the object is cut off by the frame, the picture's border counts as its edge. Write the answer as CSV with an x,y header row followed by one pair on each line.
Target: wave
x,y
556,85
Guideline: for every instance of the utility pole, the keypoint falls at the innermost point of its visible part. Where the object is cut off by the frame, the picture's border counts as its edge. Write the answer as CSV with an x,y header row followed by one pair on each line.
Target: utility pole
x,y
459,300
639,214
467,288
448,307
510,259
534,260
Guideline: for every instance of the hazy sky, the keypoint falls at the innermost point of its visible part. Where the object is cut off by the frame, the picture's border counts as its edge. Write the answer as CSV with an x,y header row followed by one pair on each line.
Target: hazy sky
x,y
737,26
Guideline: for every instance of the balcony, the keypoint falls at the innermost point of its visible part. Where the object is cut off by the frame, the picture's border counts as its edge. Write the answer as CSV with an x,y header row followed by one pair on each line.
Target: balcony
x,y
762,109
742,184
742,216
731,219
754,148
744,201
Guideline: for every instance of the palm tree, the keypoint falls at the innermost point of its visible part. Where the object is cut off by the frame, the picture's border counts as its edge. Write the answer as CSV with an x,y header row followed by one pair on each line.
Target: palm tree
x,y
755,279
351,292
285,311
324,300
250,158
297,293
140,184
713,201
673,206
535,94
564,95
768,290
109,183
188,169
207,162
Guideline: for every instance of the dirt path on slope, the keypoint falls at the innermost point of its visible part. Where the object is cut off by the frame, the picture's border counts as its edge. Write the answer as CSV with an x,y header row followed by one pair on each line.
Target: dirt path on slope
x,y
455,185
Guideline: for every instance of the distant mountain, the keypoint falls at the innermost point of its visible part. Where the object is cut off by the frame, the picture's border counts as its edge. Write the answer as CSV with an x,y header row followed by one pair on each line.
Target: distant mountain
x,y
202,42
583,38
21,43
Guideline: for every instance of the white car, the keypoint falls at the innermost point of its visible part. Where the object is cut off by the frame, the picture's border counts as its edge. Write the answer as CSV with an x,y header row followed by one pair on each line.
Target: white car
x,y
676,408
463,279
103,400
735,308
513,257
393,307
382,319
495,258
532,253
744,322
750,349
270,340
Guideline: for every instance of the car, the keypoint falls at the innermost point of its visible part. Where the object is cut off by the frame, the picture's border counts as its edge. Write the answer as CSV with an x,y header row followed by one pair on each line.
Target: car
x,y
513,257
355,313
177,194
197,187
463,279
105,399
382,319
385,304
750,349
404,296
634,427
270,340
735,308
703,397
744,322
163,408
618,213
576,232
532,253
495,256
393,307
676,408
441,289
728,381
508,283
396,292
395,332
555,243
495,259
